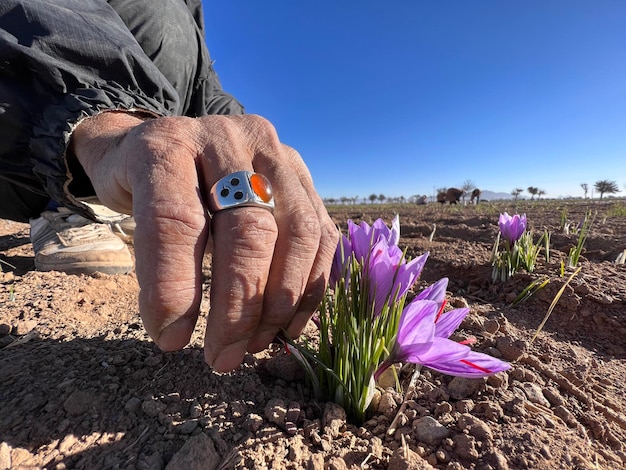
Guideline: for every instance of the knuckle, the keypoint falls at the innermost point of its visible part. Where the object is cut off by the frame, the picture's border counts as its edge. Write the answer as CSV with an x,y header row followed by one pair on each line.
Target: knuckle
x,y
173,220
261,124
305,230
251,232
164,133
329,238
298,163
262,132
272,320
224,127
163,150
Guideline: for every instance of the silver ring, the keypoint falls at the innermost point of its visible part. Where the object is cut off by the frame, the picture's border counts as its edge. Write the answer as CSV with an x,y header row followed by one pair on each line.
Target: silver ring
x,y
241,188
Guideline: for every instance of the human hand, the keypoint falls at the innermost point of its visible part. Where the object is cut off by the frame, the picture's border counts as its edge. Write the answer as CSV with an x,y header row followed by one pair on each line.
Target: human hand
x,y
269,270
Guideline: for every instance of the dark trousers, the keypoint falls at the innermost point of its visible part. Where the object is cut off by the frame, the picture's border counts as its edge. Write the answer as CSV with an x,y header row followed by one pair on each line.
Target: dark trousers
x,y
171,33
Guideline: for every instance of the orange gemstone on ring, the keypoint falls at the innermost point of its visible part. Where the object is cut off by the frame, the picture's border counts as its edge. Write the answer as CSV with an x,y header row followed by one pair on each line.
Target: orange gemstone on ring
x,y
261,187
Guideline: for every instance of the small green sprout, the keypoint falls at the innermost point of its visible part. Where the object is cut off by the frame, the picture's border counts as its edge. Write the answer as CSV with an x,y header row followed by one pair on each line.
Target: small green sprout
x,y
530,290
575,252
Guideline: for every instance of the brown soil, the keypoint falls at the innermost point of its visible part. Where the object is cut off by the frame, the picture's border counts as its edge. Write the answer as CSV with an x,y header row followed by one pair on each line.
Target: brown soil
x,y
82,385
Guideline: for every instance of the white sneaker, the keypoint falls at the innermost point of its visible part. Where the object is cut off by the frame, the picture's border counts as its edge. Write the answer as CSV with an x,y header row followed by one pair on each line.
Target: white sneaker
x,y
67,242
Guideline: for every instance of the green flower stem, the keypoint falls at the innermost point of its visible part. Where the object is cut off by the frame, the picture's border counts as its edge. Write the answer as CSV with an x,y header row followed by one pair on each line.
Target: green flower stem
x,y
353,343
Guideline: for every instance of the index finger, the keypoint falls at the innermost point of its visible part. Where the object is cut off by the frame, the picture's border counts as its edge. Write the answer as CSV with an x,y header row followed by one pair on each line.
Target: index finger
x,y
171,233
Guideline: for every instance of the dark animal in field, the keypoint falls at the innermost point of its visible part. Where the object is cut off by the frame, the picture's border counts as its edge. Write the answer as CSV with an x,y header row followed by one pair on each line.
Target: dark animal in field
x,y
476,195
452,195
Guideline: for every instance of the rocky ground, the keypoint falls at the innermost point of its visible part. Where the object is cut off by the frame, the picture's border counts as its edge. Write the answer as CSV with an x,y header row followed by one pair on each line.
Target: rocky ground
x,y
82,385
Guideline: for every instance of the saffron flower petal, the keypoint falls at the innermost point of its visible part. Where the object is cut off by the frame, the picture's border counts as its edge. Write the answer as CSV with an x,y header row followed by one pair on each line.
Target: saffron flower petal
x,y
409,273
390,235
417,324
512,227
394,236
436,291
452,358
391,275
473,365
343,254
448,322
360,240
442,350
416,333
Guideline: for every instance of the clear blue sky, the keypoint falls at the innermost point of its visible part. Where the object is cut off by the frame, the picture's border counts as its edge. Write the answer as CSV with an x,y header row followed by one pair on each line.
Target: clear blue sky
x,y
400,97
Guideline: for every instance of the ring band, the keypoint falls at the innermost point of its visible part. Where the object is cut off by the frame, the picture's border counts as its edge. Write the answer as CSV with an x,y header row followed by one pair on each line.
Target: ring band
x,y
241,188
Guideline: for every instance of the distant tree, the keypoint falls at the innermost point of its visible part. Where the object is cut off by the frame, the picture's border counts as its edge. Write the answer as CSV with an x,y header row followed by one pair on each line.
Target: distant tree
x,y
372,197
402,199
354,199
467,186
532,191
540,192
516,192
344,200
585,187
606,186
381,198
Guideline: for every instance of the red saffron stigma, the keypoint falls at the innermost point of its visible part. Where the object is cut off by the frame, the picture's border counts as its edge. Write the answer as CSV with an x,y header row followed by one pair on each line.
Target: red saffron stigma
x,y
471,364
470,340
443,305
285,345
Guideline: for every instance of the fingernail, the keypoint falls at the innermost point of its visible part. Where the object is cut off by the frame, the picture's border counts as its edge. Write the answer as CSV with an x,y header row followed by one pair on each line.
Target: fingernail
x,y
261,341
176,335
227,358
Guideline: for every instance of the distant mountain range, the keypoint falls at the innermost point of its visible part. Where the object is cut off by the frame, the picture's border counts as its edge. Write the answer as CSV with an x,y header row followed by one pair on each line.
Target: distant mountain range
x,y
491,196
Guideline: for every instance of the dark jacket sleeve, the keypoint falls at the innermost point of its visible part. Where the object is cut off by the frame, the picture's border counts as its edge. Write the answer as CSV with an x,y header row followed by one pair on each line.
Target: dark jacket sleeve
x,y
60,62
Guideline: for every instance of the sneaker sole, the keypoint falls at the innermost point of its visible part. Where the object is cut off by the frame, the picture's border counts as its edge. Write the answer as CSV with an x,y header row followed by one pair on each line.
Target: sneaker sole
x,y
83,268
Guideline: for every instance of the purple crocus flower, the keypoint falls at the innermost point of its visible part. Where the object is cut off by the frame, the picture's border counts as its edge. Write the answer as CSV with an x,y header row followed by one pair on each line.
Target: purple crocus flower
x,y
363,237
343,255
375,248
389,274
423,338
512,227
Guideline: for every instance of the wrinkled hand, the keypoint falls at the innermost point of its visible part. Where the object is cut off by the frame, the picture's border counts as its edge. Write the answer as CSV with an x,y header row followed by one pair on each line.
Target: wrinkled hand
x,y
269,270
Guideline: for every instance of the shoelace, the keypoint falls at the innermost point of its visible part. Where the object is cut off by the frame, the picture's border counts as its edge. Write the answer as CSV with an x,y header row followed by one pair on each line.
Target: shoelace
x,y
76,228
